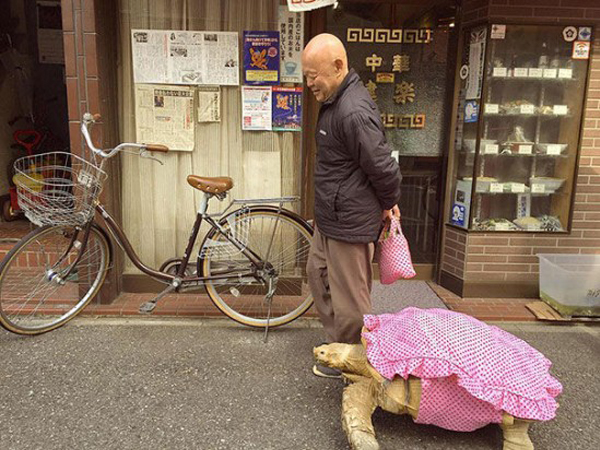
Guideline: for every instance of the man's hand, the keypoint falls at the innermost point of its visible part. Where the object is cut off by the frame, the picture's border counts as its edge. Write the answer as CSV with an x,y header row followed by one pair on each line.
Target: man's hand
x,y
388,213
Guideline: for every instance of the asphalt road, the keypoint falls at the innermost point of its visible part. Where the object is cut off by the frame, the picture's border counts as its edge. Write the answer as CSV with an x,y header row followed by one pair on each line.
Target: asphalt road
x,y
212,384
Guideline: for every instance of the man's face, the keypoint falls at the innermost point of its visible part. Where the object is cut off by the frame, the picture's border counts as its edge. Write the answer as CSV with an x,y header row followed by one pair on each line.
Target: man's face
x,y
321,78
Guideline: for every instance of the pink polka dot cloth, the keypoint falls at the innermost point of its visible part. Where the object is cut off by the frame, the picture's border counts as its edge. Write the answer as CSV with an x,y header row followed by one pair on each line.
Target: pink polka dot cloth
x,y
470,371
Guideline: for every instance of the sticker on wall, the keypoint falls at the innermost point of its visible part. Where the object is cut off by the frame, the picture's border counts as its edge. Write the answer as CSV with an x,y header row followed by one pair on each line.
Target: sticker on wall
x,y
585,33
581,50
464,72
471,112
498,31
458,215
569,33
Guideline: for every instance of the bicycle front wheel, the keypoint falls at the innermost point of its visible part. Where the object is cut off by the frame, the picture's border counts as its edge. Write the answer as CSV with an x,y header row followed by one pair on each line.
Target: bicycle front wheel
x,y
279,238
45,282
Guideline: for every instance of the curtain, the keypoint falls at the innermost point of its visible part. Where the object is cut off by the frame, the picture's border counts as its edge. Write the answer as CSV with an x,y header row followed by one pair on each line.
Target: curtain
x,y
159,207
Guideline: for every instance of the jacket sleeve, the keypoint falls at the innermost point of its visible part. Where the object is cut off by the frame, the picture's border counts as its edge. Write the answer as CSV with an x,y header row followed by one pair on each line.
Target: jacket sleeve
x,y
366,142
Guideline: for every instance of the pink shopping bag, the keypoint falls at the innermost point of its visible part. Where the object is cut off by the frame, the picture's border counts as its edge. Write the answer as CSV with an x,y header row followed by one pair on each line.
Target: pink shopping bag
x,y
394,258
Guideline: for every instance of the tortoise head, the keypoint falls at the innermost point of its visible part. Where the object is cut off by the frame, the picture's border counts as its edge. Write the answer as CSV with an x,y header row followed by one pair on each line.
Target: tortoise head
x,y
349,358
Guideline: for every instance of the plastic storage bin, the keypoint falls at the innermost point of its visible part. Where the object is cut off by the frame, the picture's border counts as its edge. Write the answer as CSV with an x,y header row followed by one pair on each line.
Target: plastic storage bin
x,y
571,283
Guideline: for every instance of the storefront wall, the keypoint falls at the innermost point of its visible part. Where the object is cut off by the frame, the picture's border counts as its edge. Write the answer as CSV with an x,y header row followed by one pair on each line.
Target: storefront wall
x,y
471,264
505,264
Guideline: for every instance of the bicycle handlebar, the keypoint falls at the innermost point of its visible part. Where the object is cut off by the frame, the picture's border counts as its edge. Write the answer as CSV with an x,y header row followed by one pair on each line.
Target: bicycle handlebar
x,y
89,119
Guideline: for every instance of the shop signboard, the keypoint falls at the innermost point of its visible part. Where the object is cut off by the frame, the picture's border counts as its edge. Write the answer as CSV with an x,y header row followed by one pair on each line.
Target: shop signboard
x,y
261,57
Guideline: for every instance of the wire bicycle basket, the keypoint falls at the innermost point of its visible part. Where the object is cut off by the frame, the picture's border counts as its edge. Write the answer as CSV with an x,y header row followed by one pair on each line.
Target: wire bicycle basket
x,y
57,188
238,227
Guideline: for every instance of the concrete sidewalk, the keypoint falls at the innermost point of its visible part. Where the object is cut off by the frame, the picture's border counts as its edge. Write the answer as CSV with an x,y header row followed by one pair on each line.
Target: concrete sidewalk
x,y
130,383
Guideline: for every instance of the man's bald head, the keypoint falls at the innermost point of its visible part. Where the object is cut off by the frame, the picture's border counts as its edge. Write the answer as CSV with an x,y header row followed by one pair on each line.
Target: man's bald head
x,y
325,65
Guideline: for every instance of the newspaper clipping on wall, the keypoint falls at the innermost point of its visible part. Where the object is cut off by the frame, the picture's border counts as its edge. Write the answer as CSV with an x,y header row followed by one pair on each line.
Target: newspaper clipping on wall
x,y
185,57
256,108
165,115
209,104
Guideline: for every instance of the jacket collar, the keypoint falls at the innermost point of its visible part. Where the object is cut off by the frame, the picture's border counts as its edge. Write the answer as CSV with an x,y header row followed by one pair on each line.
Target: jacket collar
x,y
350,78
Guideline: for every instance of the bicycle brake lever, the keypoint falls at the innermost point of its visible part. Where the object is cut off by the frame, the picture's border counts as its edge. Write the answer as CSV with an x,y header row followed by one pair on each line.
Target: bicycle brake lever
x,y
145,154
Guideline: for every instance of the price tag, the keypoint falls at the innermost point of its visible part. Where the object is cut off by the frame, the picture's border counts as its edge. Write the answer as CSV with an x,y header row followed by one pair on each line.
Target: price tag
x,y
536,73
554,149
499,72
521,72
525,149
492,108
560,110
502,226
527,109
517,188
550,73
537,188
565,73
496,188
490,149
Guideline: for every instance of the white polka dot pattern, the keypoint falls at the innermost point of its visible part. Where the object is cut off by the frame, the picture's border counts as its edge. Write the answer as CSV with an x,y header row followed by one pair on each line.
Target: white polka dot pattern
x,y
458,357
394,260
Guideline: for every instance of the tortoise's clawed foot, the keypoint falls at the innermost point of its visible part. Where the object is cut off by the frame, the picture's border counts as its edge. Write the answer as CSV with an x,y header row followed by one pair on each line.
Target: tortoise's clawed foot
x,y
516,436
361,440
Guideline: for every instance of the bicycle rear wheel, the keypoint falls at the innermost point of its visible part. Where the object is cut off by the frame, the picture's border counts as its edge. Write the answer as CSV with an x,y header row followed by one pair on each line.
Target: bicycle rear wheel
x,y
280,238
45,282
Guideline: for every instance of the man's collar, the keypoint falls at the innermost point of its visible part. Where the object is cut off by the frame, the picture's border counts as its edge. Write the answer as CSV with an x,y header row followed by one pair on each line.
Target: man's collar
x,y
345,82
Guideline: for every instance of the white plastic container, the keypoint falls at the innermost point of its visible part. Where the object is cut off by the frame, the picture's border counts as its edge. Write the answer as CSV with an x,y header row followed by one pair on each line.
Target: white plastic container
x,y
571,283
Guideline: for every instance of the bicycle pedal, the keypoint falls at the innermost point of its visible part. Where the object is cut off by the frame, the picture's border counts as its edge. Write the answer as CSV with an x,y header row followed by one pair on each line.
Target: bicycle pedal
x,y
147,307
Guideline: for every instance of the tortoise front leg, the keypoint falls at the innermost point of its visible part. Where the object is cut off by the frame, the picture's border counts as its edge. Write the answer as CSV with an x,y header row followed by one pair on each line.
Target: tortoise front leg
x,y
515,435
358,404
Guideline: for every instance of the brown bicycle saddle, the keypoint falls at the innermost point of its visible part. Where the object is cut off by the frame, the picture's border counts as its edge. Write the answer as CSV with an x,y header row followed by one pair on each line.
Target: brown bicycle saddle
x,y
212,185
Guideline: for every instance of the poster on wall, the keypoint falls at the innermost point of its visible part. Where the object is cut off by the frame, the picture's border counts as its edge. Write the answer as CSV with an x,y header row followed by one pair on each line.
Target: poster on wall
x,y
291,29
185,57
165,115
50,33
287,109
256,108
209,104
261,57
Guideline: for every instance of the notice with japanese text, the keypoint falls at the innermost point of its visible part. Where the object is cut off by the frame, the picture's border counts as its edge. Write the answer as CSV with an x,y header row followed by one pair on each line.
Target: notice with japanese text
x,y
165,115
287,109
261,57
291,30
256,108
209,104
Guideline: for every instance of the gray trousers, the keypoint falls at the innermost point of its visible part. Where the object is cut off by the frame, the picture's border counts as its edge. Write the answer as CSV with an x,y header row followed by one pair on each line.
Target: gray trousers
x,y
340,279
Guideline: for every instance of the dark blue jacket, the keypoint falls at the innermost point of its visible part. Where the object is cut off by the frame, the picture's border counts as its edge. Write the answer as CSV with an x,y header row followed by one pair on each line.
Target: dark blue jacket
x,y
356,177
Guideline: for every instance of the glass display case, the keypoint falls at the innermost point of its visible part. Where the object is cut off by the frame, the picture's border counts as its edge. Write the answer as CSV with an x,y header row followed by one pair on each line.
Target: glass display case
x,y
518,128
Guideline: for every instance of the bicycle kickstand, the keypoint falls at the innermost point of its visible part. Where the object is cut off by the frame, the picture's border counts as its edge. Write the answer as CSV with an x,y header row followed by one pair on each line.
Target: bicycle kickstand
x,y
148,307
269,299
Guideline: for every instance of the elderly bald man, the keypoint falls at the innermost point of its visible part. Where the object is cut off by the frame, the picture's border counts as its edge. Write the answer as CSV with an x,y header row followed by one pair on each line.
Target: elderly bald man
x,y
357,184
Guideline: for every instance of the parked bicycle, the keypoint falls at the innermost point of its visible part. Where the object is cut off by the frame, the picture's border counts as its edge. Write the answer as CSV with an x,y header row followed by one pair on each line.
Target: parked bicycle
x,y
251,261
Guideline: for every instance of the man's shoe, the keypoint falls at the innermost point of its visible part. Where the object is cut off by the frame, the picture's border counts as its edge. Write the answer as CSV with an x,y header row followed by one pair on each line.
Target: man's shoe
x,y
326,372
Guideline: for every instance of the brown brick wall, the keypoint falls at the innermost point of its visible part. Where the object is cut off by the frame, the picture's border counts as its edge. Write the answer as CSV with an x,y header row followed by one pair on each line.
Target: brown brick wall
x,y
501,257
89,34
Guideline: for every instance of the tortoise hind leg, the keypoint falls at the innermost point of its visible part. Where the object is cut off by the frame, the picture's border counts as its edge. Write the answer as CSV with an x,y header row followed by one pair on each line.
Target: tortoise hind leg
x,y
358,404
516,436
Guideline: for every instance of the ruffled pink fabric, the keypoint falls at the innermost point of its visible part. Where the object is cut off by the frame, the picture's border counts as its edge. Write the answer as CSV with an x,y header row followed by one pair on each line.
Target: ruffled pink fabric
x,y
498,370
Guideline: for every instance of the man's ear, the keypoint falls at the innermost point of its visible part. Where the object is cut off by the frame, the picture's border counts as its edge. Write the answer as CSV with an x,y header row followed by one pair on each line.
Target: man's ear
x,y
339,64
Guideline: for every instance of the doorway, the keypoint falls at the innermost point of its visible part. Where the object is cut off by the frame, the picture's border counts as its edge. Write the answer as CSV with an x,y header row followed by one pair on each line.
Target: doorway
x,y
404,52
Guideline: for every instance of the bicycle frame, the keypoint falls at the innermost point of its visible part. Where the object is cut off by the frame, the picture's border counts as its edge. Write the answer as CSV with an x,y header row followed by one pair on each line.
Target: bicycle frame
x,y
179,280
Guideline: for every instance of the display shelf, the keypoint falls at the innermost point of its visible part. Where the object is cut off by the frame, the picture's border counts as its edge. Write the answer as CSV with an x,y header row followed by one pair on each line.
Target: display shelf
x,y
518,123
